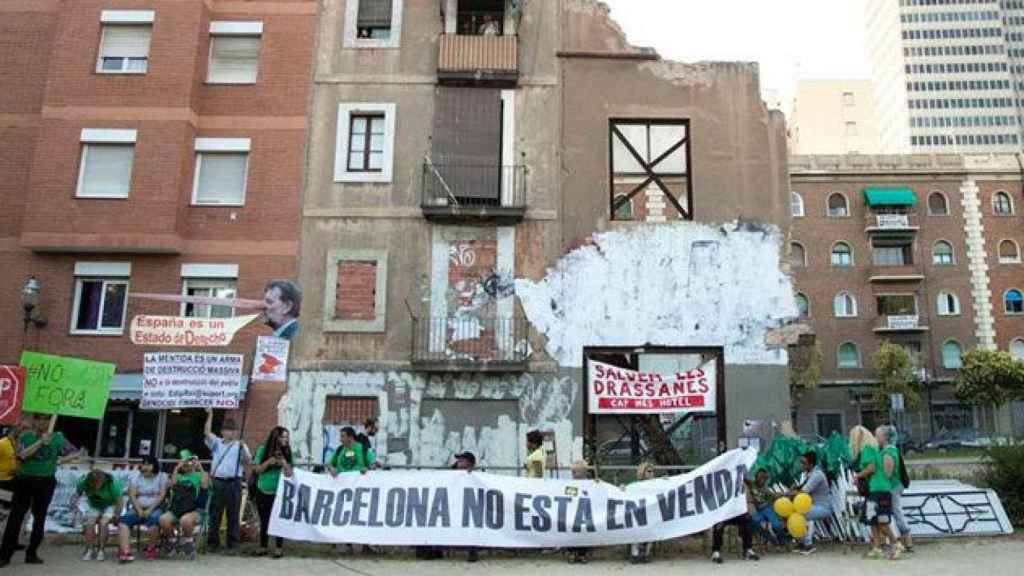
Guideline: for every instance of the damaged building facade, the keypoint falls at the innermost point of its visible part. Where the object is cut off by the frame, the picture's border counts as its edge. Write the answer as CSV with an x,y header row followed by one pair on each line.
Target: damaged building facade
x,y
499,191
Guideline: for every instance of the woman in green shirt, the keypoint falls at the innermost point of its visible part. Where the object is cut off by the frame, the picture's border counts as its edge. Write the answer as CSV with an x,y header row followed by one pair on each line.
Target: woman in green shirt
x,y
877,470
272,459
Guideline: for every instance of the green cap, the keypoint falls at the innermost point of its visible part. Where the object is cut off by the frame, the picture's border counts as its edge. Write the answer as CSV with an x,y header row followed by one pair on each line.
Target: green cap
x,y
186,454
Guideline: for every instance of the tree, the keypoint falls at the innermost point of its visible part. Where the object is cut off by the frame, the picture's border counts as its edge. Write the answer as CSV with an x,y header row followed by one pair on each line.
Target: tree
x,y
804,366
895,373
990,378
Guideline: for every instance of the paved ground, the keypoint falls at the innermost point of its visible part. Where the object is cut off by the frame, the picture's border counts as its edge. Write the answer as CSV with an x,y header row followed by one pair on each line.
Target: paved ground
x,y
983,557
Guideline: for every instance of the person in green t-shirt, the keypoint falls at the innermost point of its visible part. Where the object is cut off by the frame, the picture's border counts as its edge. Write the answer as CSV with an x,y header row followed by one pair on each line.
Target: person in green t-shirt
x,y
877,470
98,498
349,457
887,436
272,459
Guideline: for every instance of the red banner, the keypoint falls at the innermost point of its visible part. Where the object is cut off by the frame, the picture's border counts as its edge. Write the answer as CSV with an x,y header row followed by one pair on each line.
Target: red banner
x,y
615,390
12,390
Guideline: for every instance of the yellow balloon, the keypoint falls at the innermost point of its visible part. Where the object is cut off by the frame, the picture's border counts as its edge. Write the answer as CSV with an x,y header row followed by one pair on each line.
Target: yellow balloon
x,y
797,525
802,503
783,507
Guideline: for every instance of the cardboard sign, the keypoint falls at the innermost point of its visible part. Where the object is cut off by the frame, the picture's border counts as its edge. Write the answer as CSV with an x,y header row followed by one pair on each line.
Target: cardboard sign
x,y
66,386
614,390
271,361
172,380
185,331
12,389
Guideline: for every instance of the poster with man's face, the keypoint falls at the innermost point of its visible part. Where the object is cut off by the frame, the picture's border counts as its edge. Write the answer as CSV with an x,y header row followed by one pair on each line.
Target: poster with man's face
x,y
282,301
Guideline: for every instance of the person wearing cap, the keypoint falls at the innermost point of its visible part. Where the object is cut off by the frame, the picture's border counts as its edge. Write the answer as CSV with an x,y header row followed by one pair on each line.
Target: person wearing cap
x,y
188,484
230,459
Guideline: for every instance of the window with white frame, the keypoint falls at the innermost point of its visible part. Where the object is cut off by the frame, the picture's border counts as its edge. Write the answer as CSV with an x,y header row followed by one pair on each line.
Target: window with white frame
x,y
208,281
1002,205
948,304
105,168
1009,252
373,24
848,356
842,255
838,207
952,355
844,305
364,147
222,165
124,44
234,52
101,298
942,254
796,205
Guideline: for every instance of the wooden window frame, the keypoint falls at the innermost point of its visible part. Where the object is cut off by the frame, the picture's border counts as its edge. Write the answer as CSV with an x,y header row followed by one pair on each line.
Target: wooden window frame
x,y
650,174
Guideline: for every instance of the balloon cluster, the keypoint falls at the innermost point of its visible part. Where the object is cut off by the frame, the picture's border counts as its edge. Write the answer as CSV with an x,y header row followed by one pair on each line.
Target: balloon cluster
x,y
793,511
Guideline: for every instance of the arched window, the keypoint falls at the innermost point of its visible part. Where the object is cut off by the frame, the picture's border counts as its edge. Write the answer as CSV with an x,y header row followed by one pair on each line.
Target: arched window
x,y
844,305
796,205
1017,349
942,254
803,305
952,355
937,204
624,212
842,254
948,304
797,255
1013,302
1002,205
837,206
1009,252
848,356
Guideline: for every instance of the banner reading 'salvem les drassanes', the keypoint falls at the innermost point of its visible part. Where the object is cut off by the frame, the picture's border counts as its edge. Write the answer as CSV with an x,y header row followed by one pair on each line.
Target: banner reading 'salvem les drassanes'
x,y
614,390
453,508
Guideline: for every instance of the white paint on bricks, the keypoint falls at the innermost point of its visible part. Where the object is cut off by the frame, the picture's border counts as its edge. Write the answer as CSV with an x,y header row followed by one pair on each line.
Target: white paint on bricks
x,y
679,284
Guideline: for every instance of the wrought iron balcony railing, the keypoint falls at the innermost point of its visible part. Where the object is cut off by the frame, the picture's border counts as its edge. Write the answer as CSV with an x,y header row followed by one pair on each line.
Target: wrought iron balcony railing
x,y
468,343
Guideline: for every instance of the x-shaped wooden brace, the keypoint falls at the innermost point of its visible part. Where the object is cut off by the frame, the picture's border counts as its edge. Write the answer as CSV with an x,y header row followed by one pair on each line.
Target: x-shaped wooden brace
x,y
651,175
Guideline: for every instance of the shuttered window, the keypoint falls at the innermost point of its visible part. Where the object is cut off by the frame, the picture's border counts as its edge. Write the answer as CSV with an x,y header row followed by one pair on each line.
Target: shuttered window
x,y
234,59
374,20
220,177
106,170
466,145
124,49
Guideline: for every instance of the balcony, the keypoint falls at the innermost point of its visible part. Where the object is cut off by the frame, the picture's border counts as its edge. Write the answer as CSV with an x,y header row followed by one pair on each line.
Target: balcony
x,y
883,223
458,193
902,323
896,273
470,344
470,59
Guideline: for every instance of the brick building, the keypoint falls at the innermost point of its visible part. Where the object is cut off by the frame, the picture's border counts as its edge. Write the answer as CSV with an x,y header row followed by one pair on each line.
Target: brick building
x,y
922,251
148,146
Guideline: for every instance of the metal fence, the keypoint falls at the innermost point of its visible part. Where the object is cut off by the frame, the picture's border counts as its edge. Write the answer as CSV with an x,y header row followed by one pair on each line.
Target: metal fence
x,y
473,186
470,341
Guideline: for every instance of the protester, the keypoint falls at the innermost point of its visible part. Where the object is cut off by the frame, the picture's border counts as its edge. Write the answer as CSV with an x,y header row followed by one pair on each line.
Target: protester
x,y
877,471
188,483
536,458
230,459
8,467
272,459
349,457
815,485
887,438
580,555
146,492
366,439
98,498
40,452
766,522
640,553
743,525
467,462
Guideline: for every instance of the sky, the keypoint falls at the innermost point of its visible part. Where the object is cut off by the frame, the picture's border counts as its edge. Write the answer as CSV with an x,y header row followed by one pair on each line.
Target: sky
x,y
792,40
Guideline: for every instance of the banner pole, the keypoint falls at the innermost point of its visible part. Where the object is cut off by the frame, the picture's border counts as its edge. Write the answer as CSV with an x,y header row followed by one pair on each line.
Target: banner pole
x,y
53,424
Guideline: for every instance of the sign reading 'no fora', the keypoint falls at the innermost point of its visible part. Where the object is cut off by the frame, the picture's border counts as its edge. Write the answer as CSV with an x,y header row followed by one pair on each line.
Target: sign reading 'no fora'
x,y
66,386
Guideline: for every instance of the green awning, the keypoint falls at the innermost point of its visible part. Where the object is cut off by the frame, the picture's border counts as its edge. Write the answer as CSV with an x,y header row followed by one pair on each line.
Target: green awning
x,y
890,197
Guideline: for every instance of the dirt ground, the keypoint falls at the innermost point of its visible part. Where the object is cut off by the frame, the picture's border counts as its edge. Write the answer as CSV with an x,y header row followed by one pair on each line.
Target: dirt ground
x,y
981,557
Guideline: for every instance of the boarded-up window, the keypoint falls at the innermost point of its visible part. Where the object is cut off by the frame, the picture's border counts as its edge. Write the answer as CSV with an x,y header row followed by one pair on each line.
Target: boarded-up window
x,y
374,19
356,290
648,156
466,145
349,410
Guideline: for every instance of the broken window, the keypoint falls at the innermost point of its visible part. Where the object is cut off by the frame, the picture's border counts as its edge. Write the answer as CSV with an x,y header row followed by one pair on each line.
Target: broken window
x,y
650,162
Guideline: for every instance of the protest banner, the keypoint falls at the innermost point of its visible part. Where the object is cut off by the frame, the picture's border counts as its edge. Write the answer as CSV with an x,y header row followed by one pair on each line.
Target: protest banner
x,y
614,390
186,331
66,386
271,361
457,508
12,389
172,380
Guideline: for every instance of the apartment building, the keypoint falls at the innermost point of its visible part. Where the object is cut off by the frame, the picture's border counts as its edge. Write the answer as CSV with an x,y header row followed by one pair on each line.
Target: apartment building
x,y
922,251
147,146
834,117
499,192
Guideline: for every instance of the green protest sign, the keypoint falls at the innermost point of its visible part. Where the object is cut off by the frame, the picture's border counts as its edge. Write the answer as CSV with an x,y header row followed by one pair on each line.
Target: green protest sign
x,y
66,386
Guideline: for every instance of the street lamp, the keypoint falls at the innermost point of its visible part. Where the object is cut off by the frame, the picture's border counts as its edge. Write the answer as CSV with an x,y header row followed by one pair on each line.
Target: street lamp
x,y
29,300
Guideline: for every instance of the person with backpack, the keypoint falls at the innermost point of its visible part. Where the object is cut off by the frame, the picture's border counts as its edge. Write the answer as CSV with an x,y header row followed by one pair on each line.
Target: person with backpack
x,y
187,488
875,471
887,439
230,459
349,457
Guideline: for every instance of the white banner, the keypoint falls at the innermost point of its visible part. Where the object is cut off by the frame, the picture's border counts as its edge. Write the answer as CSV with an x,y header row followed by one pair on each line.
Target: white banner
x,y
271,361
186,331
455,508
172,380
614,390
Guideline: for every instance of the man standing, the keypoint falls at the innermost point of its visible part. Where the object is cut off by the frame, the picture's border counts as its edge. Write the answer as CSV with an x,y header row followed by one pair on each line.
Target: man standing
x,y
349,457
367,439
230,459
282,303
536,458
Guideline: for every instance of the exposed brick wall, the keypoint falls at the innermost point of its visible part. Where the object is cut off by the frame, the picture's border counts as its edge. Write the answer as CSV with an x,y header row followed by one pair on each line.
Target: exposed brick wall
x,y
356,291
1003,277
349,409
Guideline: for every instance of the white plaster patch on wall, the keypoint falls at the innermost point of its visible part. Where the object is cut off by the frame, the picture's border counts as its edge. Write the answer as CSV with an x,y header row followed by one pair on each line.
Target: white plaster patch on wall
x,y
679,284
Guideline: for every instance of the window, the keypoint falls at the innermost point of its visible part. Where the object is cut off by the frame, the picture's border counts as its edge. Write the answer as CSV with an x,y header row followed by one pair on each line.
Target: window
x,y
796,205
649,156
942,254
234,52
797,255
937,204
952,355
851,128
124,45
1009,252
1013,302
844,305
896,305
210,281
105,169
848,356
373,23
891,251
101,298
624,210
1001,204
948,304
829,423
837,206
481,17
842,254
365,143
355,291
803,305
848,99
1017,349
220,174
